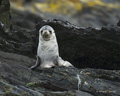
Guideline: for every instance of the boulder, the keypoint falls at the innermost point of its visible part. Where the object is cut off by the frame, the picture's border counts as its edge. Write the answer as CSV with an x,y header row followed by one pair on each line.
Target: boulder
x,y
87,47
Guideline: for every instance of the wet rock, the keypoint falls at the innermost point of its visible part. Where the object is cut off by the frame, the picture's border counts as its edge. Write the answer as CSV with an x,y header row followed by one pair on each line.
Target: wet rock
x,y
17,79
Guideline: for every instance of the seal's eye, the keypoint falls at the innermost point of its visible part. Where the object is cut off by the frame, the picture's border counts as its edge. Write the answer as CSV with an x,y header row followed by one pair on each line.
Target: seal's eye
x,y
50,32
41,31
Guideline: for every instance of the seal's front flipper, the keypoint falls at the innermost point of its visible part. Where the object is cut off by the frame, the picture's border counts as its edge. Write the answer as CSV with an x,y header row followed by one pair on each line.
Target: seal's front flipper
x,y
38,62
61,62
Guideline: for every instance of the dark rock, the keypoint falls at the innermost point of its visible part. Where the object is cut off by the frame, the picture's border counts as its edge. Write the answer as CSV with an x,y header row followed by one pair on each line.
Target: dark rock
x,y
83,47
0,2
5,16
25,19
19,41
2,28
118,24
17,79
87,47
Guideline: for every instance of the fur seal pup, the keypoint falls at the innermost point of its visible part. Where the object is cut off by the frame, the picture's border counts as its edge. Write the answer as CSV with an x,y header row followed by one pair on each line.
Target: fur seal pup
x,y
47,52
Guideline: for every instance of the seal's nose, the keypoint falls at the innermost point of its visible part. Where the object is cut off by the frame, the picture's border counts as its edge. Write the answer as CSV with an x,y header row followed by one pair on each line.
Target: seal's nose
x,y
46,32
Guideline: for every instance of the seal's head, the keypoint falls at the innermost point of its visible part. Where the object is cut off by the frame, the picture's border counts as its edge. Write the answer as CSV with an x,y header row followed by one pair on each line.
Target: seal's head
x,y
46,32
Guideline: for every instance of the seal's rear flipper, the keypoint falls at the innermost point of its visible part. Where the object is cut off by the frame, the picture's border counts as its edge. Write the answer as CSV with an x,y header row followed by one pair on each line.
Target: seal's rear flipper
x,y
38,62
61,62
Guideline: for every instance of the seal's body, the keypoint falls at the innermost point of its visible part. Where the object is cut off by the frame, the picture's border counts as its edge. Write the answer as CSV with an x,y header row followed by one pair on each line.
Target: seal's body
x,y
48,52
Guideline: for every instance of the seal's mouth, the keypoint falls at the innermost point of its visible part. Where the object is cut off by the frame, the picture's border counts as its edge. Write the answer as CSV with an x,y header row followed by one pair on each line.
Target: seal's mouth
x,y
46,37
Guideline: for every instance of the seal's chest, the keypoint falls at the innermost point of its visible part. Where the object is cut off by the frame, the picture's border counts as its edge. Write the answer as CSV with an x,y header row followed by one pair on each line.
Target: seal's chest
x,y
48,46
44,48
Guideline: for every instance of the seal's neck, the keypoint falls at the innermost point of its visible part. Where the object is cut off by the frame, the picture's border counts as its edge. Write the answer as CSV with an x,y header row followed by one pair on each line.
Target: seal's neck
x,y
51,39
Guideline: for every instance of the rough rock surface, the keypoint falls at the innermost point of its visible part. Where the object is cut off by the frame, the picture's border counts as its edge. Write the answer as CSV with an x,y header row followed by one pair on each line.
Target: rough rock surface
x,y
5,16
94,47
83,47
87,47
16,79
26,20
118,24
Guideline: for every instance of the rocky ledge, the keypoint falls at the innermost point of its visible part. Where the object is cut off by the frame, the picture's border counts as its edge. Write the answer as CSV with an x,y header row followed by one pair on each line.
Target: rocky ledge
x,y
95,53
16,79
83,47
